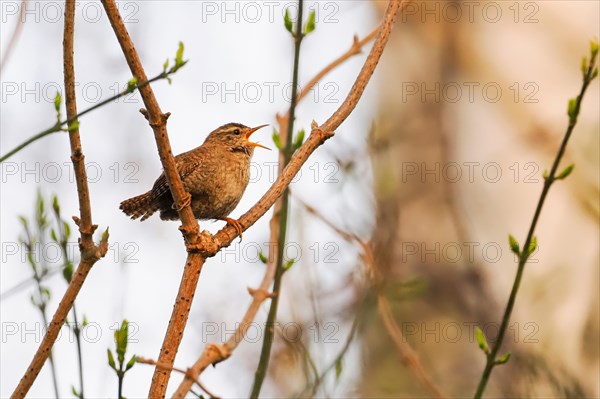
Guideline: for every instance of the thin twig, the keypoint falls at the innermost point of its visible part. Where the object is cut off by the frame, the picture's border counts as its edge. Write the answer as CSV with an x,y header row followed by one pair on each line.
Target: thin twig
x,y
15,35
58,126
90,253
588,75
186,373
189,227
205,245
265,353
215,353
407,354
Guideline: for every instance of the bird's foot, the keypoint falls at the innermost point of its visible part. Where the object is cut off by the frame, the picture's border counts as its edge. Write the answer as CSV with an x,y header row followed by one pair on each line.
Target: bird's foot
x,y
236,225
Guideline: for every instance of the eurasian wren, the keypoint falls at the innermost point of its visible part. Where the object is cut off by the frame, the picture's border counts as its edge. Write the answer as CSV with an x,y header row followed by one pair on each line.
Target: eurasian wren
x,y
215,174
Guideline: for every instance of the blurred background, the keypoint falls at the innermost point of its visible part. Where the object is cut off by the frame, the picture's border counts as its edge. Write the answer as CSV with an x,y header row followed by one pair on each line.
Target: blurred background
x,y
441,160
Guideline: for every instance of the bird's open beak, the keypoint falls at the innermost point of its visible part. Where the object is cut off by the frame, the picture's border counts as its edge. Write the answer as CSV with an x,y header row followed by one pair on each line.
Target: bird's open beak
x,y
249,133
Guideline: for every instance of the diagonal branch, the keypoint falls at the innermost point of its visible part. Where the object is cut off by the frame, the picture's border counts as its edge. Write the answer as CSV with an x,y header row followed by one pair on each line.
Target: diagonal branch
x,y
215,353
194,241
407,354
205,245
90,253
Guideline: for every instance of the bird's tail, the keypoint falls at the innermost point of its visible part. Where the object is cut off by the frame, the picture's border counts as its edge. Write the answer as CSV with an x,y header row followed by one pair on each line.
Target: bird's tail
x,y
141,206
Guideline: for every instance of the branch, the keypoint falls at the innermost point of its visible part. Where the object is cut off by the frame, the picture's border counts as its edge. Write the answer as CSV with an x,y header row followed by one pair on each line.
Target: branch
x,y
215,353
90,253
195,243
355,49
15,35
589,73
184,372
58,126
407,354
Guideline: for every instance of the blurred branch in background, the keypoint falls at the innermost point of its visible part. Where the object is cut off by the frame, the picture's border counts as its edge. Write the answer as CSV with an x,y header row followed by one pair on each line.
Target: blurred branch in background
x,y
14,38
90,252
589,72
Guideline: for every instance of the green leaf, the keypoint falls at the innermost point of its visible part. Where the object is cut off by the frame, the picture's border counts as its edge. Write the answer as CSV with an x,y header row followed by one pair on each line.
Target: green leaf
x,y
594,74
262,257
310,24
503,359
74,391
121,340
85,321
584,65
287,22
514,245
165,65
339,366
111,360
67,230
277,140
131,362
67,272
57,102
571,109
299,139
566,172
179,54
288,265
55,205
53,235
481,341
45,294
593,49
179,62
24,222
532,246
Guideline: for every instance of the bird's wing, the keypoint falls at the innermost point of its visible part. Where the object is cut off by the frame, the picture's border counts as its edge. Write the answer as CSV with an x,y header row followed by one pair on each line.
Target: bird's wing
x,y
186,163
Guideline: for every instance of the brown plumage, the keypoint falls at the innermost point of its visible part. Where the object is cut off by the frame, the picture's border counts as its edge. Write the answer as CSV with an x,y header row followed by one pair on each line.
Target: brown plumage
x,y
215,174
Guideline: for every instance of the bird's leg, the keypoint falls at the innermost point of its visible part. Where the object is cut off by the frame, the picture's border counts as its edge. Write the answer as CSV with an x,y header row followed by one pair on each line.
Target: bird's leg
x,y
236,225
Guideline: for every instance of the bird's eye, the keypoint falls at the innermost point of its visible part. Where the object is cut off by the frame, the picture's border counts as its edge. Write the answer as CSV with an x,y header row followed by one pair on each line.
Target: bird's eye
x,y
236,132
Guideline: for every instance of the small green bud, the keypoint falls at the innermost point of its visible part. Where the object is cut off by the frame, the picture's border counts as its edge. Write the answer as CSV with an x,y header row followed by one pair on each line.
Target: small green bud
x,y
310,24
287,22
571,109
262,257
532,246
339,367
584,65
566,172
57,101
481,341
514,245
131,362
503,359
165,65
288,265
131,85
111,360
593,49
545,174
299,139
277,140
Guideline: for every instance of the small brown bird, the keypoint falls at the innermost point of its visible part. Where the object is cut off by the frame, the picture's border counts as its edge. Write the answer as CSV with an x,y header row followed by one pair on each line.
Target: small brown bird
x,y
215,174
